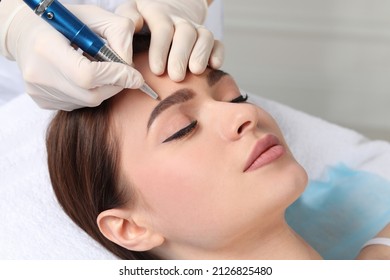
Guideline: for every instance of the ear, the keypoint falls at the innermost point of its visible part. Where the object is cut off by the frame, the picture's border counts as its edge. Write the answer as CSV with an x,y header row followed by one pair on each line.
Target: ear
x,y
119,226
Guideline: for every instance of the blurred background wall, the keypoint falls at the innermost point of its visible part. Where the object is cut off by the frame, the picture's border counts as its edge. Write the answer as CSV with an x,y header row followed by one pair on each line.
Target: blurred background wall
x,y
329,58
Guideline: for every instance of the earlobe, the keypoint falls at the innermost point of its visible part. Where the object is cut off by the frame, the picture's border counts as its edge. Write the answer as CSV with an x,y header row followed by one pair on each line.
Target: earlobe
x,y
118,226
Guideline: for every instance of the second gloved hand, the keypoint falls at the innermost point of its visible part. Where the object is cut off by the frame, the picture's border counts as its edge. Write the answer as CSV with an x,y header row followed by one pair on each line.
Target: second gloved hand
x,y
178,37
57,76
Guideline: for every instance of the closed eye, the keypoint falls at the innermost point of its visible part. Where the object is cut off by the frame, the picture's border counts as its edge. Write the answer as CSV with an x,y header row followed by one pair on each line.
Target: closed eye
x,y
240,99
189,128
182,132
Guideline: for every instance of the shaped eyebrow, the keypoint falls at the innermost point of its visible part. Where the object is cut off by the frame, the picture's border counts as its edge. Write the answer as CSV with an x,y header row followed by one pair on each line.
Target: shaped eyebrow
x,y
183,95
214,76
179,96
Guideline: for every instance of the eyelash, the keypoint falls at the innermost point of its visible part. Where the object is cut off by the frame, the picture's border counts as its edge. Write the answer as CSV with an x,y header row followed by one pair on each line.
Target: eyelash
x,y
182,132
240,99
189,128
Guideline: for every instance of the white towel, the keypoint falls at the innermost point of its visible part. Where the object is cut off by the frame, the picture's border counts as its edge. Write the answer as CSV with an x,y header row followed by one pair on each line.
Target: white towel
x,y
11,83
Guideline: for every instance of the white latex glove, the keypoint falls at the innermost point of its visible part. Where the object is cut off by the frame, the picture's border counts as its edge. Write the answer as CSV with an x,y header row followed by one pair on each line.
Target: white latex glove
x,y
177,22
56,75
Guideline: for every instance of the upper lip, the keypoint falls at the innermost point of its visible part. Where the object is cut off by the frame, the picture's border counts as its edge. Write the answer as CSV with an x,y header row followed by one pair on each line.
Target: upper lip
x,y
260,147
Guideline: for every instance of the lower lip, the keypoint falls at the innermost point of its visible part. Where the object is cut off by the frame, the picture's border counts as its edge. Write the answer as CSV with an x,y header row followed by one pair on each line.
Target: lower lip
x,y
267,157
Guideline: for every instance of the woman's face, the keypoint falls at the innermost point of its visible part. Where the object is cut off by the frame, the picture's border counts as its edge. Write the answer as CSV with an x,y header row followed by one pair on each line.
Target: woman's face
x,y
187,155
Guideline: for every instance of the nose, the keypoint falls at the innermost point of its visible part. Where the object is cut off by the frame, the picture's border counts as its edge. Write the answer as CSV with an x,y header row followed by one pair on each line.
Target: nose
x,y
236,120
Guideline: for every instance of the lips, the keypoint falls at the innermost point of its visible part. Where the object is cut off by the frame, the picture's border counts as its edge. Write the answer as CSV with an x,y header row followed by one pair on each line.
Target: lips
x,y
265,151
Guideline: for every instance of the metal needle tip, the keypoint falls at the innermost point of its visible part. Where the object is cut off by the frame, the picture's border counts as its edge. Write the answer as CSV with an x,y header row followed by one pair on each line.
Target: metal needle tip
x,y
148,90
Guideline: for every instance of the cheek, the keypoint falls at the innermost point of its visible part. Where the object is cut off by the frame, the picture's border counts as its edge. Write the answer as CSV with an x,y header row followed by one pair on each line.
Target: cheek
x,y
173,183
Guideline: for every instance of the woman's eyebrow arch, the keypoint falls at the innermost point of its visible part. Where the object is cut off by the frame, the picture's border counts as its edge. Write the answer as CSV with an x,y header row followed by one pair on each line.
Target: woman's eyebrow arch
x,y
214,76
180,96
183,95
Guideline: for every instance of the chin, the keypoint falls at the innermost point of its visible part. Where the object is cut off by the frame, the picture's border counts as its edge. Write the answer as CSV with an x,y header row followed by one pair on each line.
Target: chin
x,y
291,180
297,180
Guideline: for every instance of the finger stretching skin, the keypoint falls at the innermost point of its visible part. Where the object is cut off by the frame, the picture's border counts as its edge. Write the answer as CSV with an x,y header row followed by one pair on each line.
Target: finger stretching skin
x,y
159,46
201,53
217,55
182,46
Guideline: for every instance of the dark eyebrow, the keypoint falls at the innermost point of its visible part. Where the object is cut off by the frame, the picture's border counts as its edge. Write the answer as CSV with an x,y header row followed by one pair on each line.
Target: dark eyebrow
x,y
183,95
179,96
214,76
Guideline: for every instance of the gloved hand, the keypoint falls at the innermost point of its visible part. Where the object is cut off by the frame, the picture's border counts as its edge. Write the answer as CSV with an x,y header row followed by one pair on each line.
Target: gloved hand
x,y
56,75
59,77
177,22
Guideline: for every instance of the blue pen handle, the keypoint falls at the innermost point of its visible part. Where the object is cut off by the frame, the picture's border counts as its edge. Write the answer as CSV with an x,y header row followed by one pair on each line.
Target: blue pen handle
x,y
78,33
70,26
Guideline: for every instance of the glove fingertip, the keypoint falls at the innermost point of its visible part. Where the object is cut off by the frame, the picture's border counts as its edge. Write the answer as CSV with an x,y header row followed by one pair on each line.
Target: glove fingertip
x,y
216,62
217,55
176,73
176,76
197,67
157,68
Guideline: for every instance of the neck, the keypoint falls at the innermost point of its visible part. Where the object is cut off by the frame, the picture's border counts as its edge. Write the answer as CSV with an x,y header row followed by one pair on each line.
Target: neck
x,y
280,243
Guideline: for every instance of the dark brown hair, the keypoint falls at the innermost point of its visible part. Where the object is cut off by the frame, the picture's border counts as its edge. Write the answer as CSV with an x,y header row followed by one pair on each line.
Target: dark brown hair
x,y
83,159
